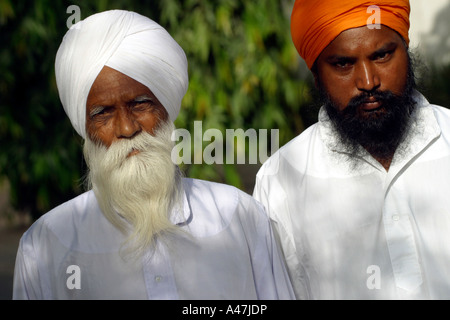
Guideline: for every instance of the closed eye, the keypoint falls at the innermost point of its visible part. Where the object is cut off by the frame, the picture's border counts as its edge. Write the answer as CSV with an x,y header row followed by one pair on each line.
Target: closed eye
x,y
141,102
98,111
136,103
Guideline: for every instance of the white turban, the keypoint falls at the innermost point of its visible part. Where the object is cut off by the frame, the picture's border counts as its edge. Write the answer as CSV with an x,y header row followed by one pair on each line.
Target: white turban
x,y
127,42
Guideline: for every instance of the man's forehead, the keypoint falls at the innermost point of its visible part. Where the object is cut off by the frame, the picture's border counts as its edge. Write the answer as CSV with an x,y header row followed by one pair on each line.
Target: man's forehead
x,y
356,40
112,84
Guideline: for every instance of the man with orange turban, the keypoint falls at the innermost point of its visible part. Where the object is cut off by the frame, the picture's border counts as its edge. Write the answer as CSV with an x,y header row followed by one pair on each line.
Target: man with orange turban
x,y
360,200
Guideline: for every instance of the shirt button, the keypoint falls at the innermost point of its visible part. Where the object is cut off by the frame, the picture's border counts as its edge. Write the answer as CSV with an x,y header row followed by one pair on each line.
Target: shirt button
x,y
158,278
395,217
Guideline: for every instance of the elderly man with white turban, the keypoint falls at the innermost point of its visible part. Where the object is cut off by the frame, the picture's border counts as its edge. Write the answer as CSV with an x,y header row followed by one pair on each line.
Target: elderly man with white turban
x,y
142,231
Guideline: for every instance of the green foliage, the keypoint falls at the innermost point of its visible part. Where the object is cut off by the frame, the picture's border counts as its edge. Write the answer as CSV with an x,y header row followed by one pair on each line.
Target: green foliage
x,y
243,70
40,155
243,74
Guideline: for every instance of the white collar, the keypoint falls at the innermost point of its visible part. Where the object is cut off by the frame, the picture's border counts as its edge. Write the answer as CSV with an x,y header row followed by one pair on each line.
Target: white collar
x,y
182,216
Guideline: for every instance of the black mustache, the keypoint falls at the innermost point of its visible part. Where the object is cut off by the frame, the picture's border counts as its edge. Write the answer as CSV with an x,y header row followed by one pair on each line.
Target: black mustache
x,y
380,96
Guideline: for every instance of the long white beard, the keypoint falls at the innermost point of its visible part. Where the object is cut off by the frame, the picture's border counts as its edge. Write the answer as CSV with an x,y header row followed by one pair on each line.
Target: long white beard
x,y
137,193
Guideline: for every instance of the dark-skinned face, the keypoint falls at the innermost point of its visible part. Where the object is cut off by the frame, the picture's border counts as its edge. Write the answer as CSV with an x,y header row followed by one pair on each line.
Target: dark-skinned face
x,y
119,107
366,82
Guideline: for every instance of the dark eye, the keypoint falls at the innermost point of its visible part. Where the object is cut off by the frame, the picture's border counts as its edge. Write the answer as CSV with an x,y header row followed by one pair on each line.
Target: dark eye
x,y
342,64
383,55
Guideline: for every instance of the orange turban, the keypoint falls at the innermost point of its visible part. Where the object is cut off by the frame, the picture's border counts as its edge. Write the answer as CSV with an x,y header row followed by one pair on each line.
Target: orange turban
x,y
315,23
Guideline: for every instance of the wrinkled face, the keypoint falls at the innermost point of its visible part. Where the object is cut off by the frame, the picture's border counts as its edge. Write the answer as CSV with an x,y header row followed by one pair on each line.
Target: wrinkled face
x,y
363,60
119,107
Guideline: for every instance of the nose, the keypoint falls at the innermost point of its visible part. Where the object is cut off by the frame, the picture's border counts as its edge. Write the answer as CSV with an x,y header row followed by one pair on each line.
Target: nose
x,y
126,126
367,79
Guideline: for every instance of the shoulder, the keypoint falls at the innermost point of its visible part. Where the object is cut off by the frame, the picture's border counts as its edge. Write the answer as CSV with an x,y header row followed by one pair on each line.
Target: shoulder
x,y
69,211
210,194
64,212
216,205
292,154
433,113
300,143
442,114
69,224
193,186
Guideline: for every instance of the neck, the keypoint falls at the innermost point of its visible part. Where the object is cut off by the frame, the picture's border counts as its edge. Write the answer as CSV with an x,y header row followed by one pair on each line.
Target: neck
x,y
385,161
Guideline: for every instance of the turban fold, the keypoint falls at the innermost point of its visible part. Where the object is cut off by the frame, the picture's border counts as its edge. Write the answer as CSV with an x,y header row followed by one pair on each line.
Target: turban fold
x,y
127,42
316,23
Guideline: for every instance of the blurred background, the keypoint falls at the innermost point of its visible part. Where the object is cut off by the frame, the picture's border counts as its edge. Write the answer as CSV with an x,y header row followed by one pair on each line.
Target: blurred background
x,y
244,73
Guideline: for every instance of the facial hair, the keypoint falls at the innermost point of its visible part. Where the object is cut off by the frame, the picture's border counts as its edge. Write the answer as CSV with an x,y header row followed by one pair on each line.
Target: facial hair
x,y
136,193
379,132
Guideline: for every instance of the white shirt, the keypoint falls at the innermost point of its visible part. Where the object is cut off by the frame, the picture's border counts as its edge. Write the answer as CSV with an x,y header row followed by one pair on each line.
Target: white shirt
x,y
361,232
72,252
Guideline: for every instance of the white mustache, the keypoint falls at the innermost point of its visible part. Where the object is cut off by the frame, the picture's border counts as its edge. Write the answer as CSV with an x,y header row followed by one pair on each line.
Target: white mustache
x,y
145,143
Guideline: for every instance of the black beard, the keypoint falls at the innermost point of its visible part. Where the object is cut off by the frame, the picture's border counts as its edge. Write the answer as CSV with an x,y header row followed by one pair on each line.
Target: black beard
x,y
380,132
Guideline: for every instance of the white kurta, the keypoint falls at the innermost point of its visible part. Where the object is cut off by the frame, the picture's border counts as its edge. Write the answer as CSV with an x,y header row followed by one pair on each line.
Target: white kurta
x,y
361,232
230,253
